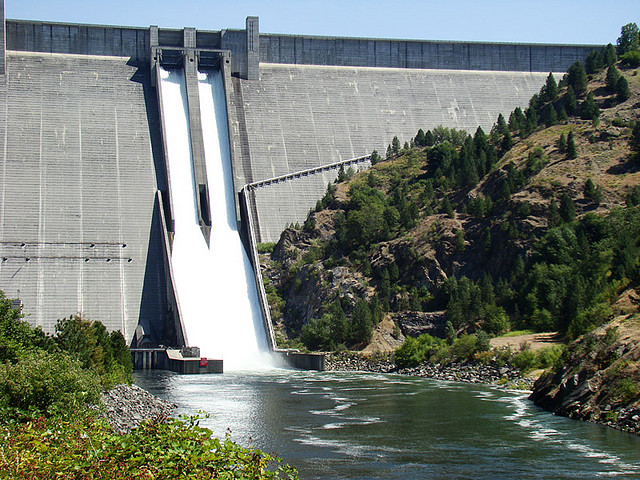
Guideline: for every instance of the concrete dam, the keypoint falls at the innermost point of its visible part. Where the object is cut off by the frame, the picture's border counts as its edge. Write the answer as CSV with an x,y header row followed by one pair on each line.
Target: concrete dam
x,y
92,213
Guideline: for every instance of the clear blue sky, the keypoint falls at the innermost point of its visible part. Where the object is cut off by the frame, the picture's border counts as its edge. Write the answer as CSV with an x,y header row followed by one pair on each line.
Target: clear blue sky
x,y
538,21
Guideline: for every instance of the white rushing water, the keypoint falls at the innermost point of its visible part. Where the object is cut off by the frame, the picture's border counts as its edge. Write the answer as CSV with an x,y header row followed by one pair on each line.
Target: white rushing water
x,y
215,284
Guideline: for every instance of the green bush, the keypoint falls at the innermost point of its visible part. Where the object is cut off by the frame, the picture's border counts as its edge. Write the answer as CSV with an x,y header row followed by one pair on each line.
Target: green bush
x,y
43,383
631,59
86,448
415,351
496,321
525,360
96,349
266,247
549,356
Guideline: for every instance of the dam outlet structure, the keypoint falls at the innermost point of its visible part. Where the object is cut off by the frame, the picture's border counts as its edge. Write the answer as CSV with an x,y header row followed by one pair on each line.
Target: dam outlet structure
x,y
213,277
141,167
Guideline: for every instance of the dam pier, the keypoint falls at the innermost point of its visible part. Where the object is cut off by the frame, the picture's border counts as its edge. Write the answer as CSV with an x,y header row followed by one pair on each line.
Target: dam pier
x,y
140,167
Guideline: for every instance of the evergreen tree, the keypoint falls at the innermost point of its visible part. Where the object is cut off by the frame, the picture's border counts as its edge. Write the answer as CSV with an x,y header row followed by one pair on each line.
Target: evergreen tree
x,y
610,56
420,140
517,120
507,142
589,189
447,207
594,61
571,146
550,115
562,143
634,141
361,323
562,115
633,198
570,102
628,39
613,75
389,153
622,89
589,109
429,139
553,216
550,89
501,125
567,208
395,145
375,157
577,78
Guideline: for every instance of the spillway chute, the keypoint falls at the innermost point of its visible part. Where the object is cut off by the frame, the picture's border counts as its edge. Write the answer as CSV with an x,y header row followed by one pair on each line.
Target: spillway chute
x,y
214,280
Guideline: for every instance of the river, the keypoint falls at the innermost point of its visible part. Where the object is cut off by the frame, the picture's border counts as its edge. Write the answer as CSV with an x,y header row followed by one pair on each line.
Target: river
x,y
339,425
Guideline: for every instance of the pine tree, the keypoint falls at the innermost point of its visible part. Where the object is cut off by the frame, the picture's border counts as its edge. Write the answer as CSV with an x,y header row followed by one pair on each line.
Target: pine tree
x,y
634,141
518,118
420,138
589,189
550,115
553,216
570,102
613,75
610,56
577,77
589,109
594,61
571,146
567,208
622,89
562,143
447,208
395,145
502,125
562,115
551,89
429,139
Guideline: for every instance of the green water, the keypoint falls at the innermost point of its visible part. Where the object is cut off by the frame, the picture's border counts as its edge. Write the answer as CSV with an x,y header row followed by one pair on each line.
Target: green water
x,y
370,426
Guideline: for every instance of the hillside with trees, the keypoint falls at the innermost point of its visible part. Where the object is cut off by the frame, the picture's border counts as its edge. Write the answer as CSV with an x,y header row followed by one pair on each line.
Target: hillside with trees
x,y
533,225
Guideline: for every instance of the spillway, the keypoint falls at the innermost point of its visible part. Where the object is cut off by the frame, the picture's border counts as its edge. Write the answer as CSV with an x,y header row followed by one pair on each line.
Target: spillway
x,y
215,285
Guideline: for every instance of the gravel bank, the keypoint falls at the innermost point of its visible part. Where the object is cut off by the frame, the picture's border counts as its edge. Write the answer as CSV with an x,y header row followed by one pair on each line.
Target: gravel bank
x,y
127,406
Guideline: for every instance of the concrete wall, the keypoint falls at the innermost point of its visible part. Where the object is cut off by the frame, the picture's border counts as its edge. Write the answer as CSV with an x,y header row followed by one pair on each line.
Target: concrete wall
x,y
80,228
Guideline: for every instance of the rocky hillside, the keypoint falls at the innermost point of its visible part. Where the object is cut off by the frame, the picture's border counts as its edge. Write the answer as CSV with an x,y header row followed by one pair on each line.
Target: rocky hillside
x,y
598,378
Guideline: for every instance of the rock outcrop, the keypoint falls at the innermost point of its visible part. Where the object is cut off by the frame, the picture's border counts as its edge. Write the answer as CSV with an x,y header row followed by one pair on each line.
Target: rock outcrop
x,y
599,381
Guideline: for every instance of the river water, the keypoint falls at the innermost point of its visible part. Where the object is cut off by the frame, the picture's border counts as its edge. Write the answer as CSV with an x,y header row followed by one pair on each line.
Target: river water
x,y
371,426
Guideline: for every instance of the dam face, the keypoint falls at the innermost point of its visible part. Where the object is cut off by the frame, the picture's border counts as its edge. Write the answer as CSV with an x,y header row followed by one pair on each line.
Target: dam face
x,y
87,218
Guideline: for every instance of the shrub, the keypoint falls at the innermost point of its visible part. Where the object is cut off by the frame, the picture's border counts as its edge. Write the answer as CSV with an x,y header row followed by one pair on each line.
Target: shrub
x,y
266,247
525,360
43,383
86,448
414,351
96,349
496,320
549,356
631,59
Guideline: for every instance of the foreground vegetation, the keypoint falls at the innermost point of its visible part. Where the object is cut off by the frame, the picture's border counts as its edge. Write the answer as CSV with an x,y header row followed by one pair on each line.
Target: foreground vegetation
x,y
50,425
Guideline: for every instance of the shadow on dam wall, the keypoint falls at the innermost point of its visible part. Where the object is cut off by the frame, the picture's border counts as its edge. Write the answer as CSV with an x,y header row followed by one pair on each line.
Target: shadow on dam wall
x,y
83,227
